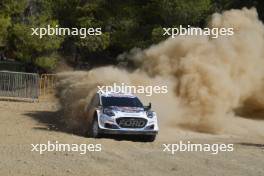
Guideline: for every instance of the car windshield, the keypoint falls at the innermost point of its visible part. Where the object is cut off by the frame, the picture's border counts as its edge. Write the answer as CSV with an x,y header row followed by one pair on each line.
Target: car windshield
x,y
121,101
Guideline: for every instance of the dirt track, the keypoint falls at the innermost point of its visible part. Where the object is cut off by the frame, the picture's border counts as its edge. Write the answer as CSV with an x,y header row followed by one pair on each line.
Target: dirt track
x,y
23,124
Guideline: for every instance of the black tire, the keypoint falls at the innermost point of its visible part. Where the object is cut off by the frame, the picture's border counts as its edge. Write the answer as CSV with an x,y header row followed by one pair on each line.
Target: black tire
x,y
149,138
94,130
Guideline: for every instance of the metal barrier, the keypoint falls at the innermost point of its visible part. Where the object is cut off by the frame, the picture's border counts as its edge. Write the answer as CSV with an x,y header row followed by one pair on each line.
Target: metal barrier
x,y
19,85
47,84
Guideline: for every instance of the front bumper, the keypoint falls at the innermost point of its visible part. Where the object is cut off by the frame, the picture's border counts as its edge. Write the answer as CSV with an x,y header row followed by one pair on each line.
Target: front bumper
x,y
112,127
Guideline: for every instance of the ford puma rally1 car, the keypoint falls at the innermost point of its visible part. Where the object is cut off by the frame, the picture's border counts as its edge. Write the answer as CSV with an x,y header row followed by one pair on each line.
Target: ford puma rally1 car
x,y
121,113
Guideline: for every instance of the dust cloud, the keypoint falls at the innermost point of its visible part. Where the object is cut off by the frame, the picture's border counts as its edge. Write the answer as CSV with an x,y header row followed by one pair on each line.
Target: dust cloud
x,y
207,78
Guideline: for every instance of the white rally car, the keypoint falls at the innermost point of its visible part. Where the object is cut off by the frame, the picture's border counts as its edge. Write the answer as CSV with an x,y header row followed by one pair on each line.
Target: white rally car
x,y
121,113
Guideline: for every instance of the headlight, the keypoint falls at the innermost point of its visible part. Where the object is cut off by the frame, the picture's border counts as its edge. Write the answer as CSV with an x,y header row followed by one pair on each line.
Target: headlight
x,y
150,114
109,112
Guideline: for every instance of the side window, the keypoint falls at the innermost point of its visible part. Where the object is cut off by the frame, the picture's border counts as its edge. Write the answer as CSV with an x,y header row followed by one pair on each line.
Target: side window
x,y
95,100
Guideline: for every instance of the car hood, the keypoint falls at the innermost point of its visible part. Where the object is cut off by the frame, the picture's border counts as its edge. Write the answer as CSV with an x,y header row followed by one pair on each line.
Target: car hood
x,y
127,109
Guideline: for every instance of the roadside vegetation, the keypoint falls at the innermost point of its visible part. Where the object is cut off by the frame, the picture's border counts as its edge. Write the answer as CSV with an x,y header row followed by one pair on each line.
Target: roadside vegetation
x,y
125,25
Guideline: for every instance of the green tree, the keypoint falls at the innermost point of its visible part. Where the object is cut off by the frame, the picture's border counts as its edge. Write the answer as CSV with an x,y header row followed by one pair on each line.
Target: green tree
x,y
81,14
220,5
125,25
5,22
26,47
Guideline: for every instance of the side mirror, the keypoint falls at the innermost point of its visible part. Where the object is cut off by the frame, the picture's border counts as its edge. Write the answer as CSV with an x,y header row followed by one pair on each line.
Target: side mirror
x,y
147,107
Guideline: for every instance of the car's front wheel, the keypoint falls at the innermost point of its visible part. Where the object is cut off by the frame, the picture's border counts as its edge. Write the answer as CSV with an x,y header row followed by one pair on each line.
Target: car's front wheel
x,y
94,130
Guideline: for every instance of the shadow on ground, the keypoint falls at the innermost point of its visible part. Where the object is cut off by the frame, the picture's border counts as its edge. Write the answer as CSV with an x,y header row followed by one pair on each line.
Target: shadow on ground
x,y
250,109
252,145
125,138
255,114
53,121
